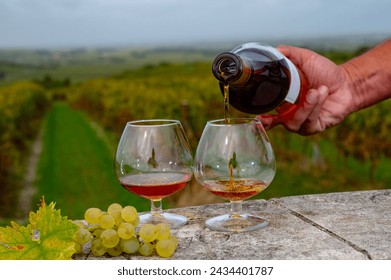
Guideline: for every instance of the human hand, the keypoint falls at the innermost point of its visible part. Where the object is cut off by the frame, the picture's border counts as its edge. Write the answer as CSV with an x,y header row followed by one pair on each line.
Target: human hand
x,y
328,100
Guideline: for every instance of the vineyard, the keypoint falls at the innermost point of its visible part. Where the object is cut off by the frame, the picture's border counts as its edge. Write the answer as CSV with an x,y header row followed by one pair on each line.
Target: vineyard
x,y
352,156
21,108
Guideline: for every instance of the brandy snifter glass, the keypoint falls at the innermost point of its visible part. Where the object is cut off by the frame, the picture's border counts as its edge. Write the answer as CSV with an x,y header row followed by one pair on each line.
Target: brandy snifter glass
x,y
235,161
154,160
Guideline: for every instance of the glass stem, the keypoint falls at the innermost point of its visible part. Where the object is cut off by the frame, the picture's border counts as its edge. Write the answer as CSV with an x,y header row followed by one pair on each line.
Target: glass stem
x,y
236,209
156,207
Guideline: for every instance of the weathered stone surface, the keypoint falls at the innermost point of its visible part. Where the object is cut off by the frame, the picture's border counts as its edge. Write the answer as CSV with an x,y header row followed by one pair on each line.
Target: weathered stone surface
x,y
348,225
360,219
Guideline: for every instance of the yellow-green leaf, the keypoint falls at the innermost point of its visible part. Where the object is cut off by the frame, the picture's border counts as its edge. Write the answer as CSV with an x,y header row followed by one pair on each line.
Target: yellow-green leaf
x,y
47,237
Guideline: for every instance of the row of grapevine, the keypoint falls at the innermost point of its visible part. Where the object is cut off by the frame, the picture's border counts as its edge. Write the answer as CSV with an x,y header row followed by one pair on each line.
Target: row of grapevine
x,y
21,105
366,136
188,93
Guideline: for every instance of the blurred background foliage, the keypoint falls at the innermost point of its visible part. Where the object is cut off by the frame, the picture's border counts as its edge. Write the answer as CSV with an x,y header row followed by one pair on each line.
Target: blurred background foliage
x,y
353,156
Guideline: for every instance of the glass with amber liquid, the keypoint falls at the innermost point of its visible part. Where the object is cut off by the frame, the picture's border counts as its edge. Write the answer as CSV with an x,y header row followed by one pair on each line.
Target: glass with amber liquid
x,y
235,161
154,160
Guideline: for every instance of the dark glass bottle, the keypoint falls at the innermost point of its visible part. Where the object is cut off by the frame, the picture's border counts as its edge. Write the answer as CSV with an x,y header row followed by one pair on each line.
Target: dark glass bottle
x,y
259,79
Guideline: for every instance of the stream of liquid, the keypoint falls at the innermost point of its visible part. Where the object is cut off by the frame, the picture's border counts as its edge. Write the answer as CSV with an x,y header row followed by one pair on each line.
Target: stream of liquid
x,y
227,116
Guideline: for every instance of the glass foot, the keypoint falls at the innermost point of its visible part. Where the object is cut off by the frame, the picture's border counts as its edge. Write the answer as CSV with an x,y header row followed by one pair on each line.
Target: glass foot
x,y
236,223
173,220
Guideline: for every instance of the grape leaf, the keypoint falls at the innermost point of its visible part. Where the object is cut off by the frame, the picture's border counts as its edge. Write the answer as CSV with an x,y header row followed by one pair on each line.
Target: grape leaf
x,y
48,236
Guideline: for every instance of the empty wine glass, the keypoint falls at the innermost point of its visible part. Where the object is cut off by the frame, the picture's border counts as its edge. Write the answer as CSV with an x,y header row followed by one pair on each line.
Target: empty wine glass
x,y
235,161
154,160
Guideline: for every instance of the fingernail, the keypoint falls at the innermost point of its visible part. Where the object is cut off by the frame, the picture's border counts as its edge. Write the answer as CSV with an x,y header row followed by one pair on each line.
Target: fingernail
x,y
323,89
312,96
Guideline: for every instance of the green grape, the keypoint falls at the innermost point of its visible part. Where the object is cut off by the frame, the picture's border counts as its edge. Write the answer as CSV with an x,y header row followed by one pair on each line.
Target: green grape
x,y
148,232
97,247
166,247
97,232
145,249
174,239
107,221
136,221
163,231
79,223
78,248
109,238
130,246
116,214
125,230
92,215
114,207
115,251
82,236
129,213
113,232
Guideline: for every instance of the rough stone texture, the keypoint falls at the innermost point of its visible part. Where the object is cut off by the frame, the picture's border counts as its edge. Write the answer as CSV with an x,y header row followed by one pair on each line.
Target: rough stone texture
x,y
348,226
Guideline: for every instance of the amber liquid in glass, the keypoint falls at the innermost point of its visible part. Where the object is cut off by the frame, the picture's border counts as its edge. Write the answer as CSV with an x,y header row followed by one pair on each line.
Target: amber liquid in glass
x,y
235,189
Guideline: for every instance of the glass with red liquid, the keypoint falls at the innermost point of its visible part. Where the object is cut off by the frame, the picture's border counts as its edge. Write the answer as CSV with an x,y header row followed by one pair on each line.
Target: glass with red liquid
x,y
154,160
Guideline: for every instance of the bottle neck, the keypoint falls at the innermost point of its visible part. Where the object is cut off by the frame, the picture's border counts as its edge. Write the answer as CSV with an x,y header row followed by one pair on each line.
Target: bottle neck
x,y
229,68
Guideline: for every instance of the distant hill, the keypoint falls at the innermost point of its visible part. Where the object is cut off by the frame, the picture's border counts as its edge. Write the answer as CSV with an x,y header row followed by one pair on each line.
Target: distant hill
x,y
341,42
78,64
115,54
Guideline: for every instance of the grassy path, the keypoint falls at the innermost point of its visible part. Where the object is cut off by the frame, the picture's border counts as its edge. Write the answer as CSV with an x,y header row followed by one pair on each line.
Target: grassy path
x,y
76,166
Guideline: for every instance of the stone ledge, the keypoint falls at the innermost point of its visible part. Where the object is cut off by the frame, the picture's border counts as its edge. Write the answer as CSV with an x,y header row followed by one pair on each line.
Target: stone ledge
x,y
334,226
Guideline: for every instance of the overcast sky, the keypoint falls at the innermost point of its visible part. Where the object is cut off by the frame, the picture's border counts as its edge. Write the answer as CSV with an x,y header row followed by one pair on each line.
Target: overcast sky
x,y
89,23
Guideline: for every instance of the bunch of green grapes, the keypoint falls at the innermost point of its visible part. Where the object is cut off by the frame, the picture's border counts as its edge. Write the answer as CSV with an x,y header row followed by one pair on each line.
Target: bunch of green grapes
x,y
113,232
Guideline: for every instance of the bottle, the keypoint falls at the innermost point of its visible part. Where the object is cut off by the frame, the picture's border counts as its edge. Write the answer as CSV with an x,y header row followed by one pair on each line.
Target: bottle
x,y
258,79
